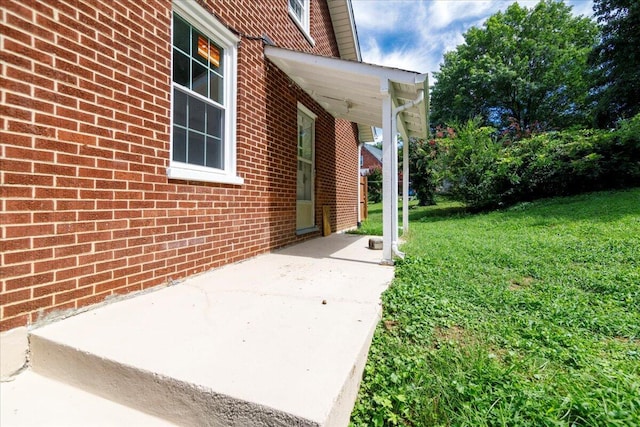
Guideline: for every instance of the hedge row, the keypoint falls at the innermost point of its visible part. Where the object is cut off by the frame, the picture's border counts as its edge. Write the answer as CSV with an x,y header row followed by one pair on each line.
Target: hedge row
x,y
487,172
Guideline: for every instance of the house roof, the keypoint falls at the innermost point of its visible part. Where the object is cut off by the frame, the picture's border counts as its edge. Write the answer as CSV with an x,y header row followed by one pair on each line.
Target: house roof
x,y
355,90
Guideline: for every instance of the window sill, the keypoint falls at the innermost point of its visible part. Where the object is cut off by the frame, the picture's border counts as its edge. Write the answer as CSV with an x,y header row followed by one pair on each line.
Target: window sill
x,y
176,172
302,29
307,230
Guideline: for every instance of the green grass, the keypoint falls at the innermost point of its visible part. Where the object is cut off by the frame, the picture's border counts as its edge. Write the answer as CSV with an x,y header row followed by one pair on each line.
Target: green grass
x,y
523,317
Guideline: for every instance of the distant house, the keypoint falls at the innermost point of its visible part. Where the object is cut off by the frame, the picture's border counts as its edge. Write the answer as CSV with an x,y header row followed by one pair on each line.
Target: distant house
x,y
147,141
371,159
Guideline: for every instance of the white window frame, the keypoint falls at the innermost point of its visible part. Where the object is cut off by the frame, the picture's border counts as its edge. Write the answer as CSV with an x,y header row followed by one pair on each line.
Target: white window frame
x,y
199,18
305,24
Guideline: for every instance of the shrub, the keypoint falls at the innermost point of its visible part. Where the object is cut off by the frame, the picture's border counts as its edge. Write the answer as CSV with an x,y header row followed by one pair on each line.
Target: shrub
x,y
487,173
469,162
422,166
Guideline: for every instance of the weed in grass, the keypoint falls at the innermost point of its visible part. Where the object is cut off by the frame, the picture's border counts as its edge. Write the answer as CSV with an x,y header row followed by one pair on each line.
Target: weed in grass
x,y
525,317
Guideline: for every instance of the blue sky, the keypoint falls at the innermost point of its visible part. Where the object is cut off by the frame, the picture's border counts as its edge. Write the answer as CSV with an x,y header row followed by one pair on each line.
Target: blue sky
x,y
415,34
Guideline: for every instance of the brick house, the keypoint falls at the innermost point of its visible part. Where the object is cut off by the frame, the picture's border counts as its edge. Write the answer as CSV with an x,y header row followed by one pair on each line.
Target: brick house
x,y
371,158
144,142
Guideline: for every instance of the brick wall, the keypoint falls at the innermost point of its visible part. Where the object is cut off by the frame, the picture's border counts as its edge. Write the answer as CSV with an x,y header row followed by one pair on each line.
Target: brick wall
x,y
87,209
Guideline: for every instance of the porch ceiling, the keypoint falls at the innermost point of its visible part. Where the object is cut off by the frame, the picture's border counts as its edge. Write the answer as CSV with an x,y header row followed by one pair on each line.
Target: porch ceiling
x,y
355,91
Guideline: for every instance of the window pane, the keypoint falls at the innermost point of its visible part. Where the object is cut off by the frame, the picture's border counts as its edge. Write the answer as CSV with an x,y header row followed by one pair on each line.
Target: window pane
x,y
296,8
200,46
215,153
195,150
305,136
215,88
214,121
197,110
179,144
304,181
216,54
179,107
180,68
181,33
200,82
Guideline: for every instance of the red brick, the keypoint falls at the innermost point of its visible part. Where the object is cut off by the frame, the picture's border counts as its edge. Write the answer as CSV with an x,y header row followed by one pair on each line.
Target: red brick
x,y
10,322
56,264
54,289
28,281
46,217
28,230
12,297
66,251
29,205
26,255
74,272
72,295
16,244
16,192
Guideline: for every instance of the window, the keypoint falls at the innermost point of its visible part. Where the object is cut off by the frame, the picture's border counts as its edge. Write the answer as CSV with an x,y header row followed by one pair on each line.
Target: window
x,y
300,12
204,60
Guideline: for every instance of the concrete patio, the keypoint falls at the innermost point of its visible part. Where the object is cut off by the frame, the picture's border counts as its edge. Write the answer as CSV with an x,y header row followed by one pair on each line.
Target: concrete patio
x,y
280,339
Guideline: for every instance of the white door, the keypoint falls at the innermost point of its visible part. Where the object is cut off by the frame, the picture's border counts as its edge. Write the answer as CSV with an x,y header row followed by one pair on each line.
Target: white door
x,y
305,217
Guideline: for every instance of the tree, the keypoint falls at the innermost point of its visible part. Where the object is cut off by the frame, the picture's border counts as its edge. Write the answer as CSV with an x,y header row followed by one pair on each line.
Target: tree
x,y
616,61
527,65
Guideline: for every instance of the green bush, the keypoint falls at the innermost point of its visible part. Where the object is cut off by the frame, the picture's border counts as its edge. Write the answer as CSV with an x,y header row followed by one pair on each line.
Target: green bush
x,y
374,185
469,163
488,172
422,166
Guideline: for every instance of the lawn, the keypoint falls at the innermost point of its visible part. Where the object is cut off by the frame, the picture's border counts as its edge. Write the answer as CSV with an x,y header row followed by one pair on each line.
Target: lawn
x,y
527,316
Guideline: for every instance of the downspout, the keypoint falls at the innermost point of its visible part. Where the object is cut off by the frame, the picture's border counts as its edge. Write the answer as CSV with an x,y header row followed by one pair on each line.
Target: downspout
x,y
359,211
405,174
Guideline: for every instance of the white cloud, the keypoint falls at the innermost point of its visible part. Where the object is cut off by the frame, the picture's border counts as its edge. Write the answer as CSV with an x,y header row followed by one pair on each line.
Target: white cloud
x,y
434,26
412,59
444,13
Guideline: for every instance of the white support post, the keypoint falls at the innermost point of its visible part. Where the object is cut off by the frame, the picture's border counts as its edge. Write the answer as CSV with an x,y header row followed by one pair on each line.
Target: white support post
x,y
387,174
394,178
405,186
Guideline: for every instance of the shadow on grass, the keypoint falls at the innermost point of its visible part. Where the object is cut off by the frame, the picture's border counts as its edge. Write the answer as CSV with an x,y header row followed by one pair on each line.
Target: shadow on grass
x,y
437,213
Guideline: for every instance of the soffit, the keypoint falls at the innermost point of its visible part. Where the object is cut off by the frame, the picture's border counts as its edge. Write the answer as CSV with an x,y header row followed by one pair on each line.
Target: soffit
x,y
354,91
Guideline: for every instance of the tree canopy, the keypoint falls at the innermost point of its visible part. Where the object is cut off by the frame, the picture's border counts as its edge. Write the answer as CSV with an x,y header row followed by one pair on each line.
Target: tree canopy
x,y
616,61
523,65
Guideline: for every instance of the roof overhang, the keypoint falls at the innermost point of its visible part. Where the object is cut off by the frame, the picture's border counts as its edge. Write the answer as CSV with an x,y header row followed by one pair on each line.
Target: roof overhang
x,y
355,91
344,28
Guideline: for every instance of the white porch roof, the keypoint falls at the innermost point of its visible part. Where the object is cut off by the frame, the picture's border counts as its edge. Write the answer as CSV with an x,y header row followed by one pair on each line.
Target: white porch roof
x,y
355,91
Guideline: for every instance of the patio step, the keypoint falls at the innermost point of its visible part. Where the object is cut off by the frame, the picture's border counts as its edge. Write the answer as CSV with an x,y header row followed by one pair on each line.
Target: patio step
x,y
279,340
34,400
